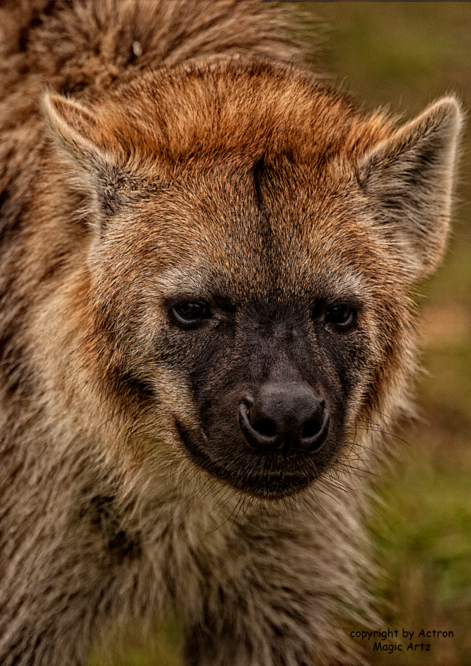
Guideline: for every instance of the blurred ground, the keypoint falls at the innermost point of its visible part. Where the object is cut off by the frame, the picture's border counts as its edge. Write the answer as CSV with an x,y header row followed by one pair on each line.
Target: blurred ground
x,y
405,55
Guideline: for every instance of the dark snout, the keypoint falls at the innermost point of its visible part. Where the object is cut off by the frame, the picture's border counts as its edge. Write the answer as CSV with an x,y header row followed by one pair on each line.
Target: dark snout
x,y
288,416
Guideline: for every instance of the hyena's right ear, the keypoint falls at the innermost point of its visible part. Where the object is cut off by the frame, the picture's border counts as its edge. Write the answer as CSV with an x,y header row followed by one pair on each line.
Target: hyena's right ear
x,y
408,179
76,129
79,133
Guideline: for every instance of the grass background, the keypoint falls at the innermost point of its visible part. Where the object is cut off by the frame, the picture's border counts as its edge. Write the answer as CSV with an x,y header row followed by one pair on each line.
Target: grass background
x,y
405,55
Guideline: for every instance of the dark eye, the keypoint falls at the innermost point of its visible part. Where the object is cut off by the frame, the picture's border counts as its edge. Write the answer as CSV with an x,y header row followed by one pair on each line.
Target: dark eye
x,y
189,312
343,317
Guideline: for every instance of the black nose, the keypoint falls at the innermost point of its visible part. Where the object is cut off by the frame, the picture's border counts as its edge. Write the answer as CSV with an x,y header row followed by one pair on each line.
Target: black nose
x,y
290,416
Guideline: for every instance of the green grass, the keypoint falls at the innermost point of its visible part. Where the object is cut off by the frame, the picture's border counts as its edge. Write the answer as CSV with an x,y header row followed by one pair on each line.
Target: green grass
x,y
129,645
423,535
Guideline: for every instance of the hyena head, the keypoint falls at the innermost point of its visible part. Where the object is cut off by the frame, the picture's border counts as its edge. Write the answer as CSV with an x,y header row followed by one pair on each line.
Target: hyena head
x,y
252,244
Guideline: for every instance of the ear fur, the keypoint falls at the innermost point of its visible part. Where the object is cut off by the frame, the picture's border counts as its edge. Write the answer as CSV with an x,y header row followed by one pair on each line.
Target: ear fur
x,y
78,132
408,179
76,129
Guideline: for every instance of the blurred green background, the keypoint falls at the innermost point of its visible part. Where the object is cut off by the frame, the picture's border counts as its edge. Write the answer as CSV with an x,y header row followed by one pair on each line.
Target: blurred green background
x,y
405,55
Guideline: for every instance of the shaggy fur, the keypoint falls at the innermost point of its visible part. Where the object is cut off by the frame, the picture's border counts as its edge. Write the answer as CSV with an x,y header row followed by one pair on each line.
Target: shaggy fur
x,y
155,154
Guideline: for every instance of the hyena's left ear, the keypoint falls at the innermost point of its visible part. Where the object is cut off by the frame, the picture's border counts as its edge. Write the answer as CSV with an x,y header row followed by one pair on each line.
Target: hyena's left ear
x,y
408,178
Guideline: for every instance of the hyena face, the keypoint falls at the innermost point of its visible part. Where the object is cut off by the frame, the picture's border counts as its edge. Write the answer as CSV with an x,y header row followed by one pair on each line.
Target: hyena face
x,y
267,258
273,329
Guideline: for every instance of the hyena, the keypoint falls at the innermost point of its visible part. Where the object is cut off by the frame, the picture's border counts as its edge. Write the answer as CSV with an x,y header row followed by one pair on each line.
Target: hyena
x,y
206,323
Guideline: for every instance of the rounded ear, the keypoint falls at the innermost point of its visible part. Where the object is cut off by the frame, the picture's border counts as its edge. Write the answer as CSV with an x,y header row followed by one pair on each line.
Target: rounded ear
x,y
76,129
408,179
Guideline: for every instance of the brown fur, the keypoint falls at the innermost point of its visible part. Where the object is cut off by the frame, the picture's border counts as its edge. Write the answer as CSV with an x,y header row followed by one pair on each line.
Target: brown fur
x,y
186,152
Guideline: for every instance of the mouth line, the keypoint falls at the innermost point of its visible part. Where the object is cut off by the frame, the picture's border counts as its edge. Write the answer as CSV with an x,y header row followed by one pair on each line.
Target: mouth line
x,y
263,483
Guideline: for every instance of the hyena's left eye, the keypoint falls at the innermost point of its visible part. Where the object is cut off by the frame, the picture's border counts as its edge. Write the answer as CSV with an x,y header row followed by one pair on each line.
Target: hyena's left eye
x,y
190,312
343,317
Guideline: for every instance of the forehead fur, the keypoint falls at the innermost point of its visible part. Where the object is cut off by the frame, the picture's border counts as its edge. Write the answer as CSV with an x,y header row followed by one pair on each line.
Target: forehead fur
x,y
241,110
280,232
231,147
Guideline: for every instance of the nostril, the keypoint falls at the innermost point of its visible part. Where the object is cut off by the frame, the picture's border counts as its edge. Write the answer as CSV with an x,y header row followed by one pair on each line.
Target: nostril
x,y
310,429
265,427
261,434
314,432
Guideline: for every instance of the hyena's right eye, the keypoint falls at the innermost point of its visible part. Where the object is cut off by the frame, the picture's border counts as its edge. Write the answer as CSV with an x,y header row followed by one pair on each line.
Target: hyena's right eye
x,y
188,313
